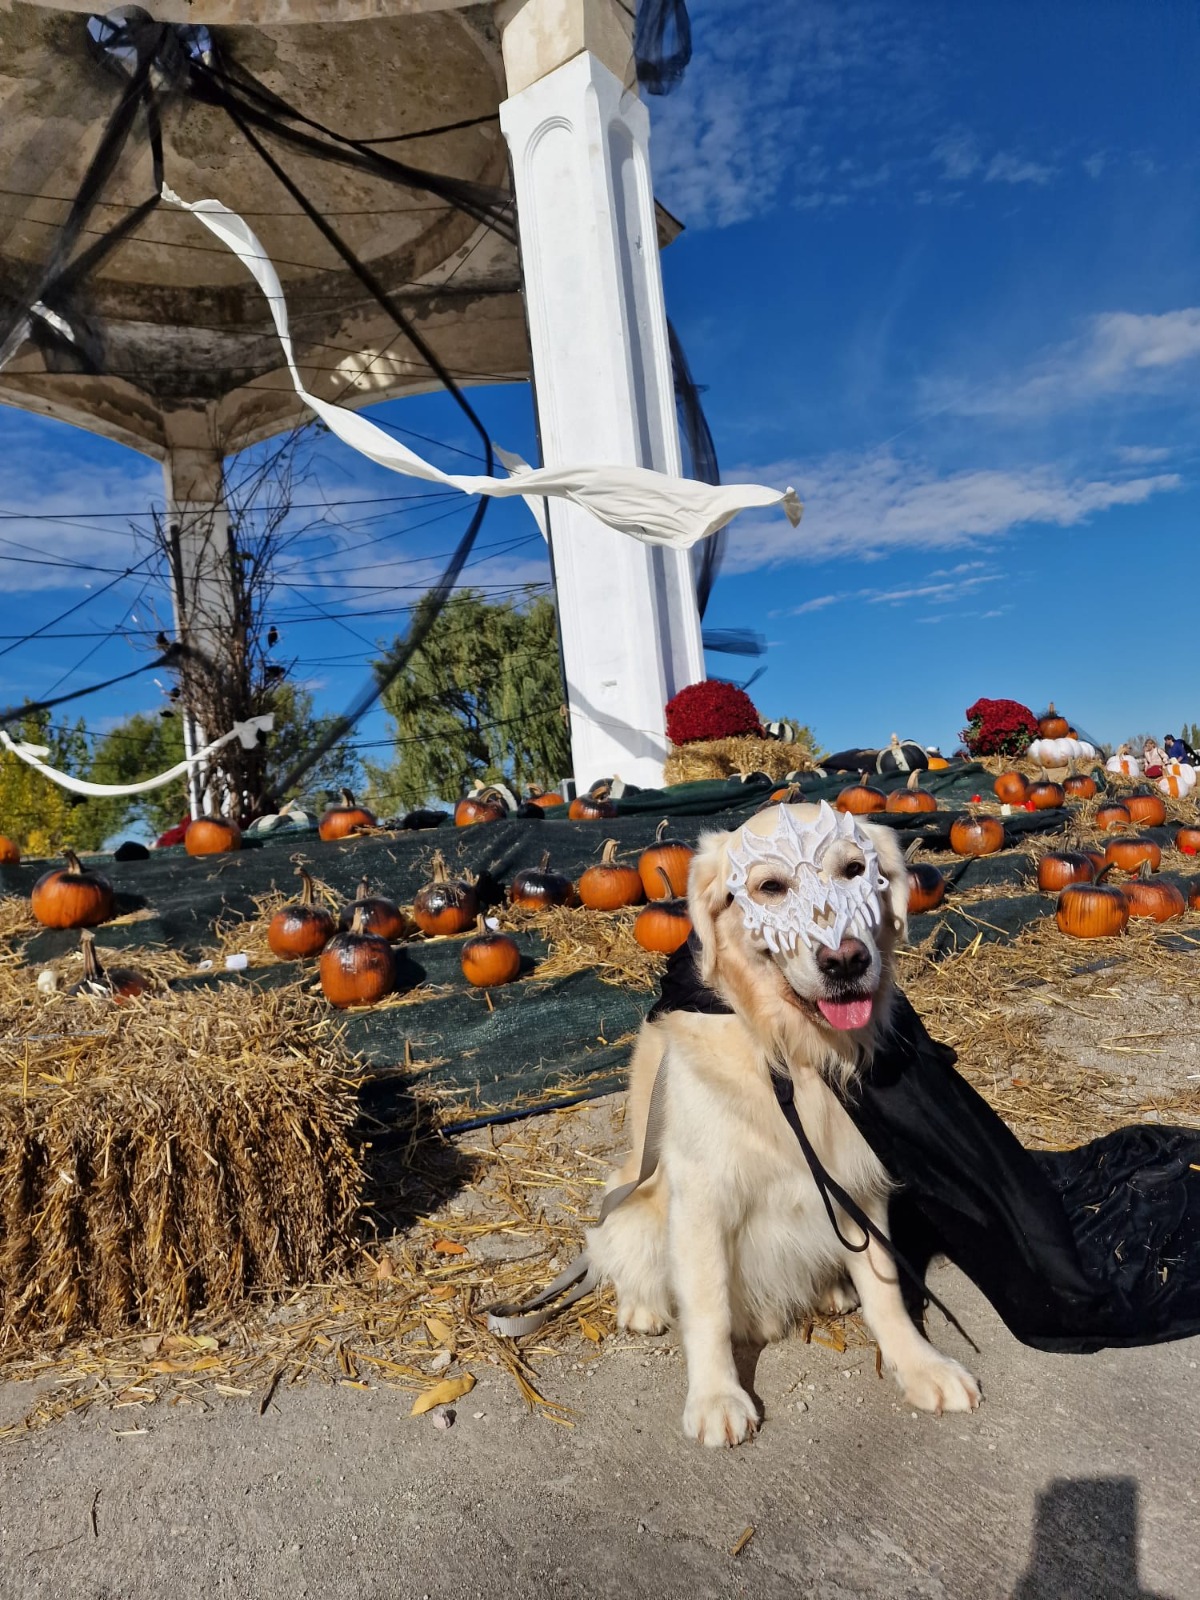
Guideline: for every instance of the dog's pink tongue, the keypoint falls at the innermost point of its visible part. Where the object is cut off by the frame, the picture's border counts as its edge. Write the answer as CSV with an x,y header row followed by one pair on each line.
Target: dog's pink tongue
x,y
847,1014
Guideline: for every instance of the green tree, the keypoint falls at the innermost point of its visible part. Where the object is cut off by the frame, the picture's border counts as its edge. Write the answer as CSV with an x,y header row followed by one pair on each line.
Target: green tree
x,y
482,698
35,813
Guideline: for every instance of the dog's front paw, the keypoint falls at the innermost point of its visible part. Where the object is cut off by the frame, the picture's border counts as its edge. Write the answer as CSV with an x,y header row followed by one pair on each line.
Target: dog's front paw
x,y
839,1299
720,1419
640,1319
935,1383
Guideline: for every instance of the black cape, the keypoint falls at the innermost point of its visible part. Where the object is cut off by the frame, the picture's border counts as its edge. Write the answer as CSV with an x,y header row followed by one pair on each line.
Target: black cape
x,y
1077,1250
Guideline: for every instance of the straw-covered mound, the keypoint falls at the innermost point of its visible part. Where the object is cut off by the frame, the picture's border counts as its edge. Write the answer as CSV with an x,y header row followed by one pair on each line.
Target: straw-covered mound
x,y
722,758
167,1155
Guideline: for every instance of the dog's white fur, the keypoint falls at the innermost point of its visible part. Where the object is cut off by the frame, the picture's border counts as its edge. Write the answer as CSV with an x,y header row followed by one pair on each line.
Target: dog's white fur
x,y
730,1236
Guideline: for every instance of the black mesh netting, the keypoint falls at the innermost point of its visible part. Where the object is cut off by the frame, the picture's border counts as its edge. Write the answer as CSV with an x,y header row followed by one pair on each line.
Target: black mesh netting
x,y
539,1035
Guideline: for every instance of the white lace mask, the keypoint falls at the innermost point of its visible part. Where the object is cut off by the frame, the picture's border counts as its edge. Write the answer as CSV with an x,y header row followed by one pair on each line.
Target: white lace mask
x,y
798,850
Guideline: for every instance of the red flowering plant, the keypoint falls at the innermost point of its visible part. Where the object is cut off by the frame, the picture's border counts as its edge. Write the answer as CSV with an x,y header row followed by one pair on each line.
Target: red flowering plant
x,y
999,728
710,710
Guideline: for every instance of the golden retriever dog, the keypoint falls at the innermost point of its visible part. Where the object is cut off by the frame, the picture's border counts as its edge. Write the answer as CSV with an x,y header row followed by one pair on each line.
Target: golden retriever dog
x,y
798,914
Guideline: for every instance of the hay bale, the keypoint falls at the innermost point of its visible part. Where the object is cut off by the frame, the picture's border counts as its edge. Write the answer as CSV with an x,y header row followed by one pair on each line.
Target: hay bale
x,y
722,758
170,1155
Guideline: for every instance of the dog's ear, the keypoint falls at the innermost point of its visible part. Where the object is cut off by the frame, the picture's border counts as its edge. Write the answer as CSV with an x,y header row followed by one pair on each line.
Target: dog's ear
x,y
707,896
895,870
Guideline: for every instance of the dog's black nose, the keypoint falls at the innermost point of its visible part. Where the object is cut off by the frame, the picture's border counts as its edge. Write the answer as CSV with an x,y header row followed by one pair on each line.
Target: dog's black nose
x,y
847,963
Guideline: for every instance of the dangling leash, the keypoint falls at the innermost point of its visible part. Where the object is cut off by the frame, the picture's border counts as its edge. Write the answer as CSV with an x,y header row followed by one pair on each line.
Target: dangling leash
x,y
513,1321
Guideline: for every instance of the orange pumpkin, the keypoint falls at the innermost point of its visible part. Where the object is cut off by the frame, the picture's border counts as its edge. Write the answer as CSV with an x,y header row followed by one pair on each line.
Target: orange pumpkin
x,y
445,905
490,959
357,968
212,836
976,836
1052,726
71,897
544,802
1194,895
1129,854
1045,796
117,984
1092,911
1188,840
663,868
1112,814
926,887
535,888
610,886
344,819
790,794
1147,810
380,915
1062,867
593,806
485,805
911,799
665,924
1080,786
1156,898
1011,788
861,799
10,854
938,764
302,928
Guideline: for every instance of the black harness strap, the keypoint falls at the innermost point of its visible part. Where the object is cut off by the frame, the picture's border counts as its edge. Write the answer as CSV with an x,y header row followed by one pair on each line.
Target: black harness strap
x,y
831,1190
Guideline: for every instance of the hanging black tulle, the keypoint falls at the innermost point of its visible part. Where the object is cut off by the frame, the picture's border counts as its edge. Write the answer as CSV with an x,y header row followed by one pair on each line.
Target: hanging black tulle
x,y
662,44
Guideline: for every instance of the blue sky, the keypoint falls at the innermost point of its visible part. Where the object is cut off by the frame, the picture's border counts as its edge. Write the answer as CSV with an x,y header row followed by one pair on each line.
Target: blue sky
x,y
940,272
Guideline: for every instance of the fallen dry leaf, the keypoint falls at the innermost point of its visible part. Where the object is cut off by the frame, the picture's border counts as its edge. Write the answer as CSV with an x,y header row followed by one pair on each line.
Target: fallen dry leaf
x,y
589,1330
440,1332
445,1291
442,1394
449,1247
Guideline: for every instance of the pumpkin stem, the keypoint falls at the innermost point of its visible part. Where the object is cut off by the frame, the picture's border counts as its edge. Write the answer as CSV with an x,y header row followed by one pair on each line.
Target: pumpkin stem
x,y
913,850
914,781
601,790
437,868
363,889
667,884
609,854
480,924
348,799
306,884
358,923
91,964
660,830
545,866
74,865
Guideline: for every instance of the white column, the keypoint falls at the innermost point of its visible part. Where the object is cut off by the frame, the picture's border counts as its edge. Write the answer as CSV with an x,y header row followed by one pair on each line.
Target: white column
x,y
201,581
602,373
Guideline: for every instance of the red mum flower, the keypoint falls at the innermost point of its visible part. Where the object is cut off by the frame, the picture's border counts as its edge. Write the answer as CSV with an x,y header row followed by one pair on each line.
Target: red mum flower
x,y
710,710
999,728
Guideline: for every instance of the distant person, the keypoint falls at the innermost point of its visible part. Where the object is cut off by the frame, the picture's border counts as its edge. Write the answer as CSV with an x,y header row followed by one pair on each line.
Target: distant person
x,y
1153,759
1179,750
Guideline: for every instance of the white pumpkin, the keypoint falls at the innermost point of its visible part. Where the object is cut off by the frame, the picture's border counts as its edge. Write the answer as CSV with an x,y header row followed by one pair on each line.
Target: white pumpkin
x,y
1128,766
1060,752
1178,779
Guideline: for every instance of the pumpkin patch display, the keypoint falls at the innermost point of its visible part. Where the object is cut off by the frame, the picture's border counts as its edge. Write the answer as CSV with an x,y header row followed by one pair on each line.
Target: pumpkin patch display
x,y
1046,796
1052,726
976,836
490,959
380,915
1125,764
1130,854
912,799
536,888
1146,810
1062,867
926,887
861,799
342,820
663,868
665,923
1113,814
212,836
357,968
302,928
609,886
1153,897
445,906
72,897
1092,911
1011,788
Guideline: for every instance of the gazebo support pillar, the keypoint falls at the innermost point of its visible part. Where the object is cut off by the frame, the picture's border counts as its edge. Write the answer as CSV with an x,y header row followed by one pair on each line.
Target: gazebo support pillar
x,y
201,586
579,143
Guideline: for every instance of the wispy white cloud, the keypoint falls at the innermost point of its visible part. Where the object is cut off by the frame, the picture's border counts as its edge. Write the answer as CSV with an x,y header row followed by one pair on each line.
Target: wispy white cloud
x,y
1142,455
957,153
948,592
868,505
1004,167
1124,353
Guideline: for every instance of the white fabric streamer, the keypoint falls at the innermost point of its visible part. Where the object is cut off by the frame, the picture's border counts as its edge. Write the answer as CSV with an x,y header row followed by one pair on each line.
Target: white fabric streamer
x,y
651,506
32,755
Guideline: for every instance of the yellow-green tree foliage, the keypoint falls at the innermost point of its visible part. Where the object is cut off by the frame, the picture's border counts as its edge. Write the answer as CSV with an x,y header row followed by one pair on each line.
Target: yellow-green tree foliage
x,y
35,813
